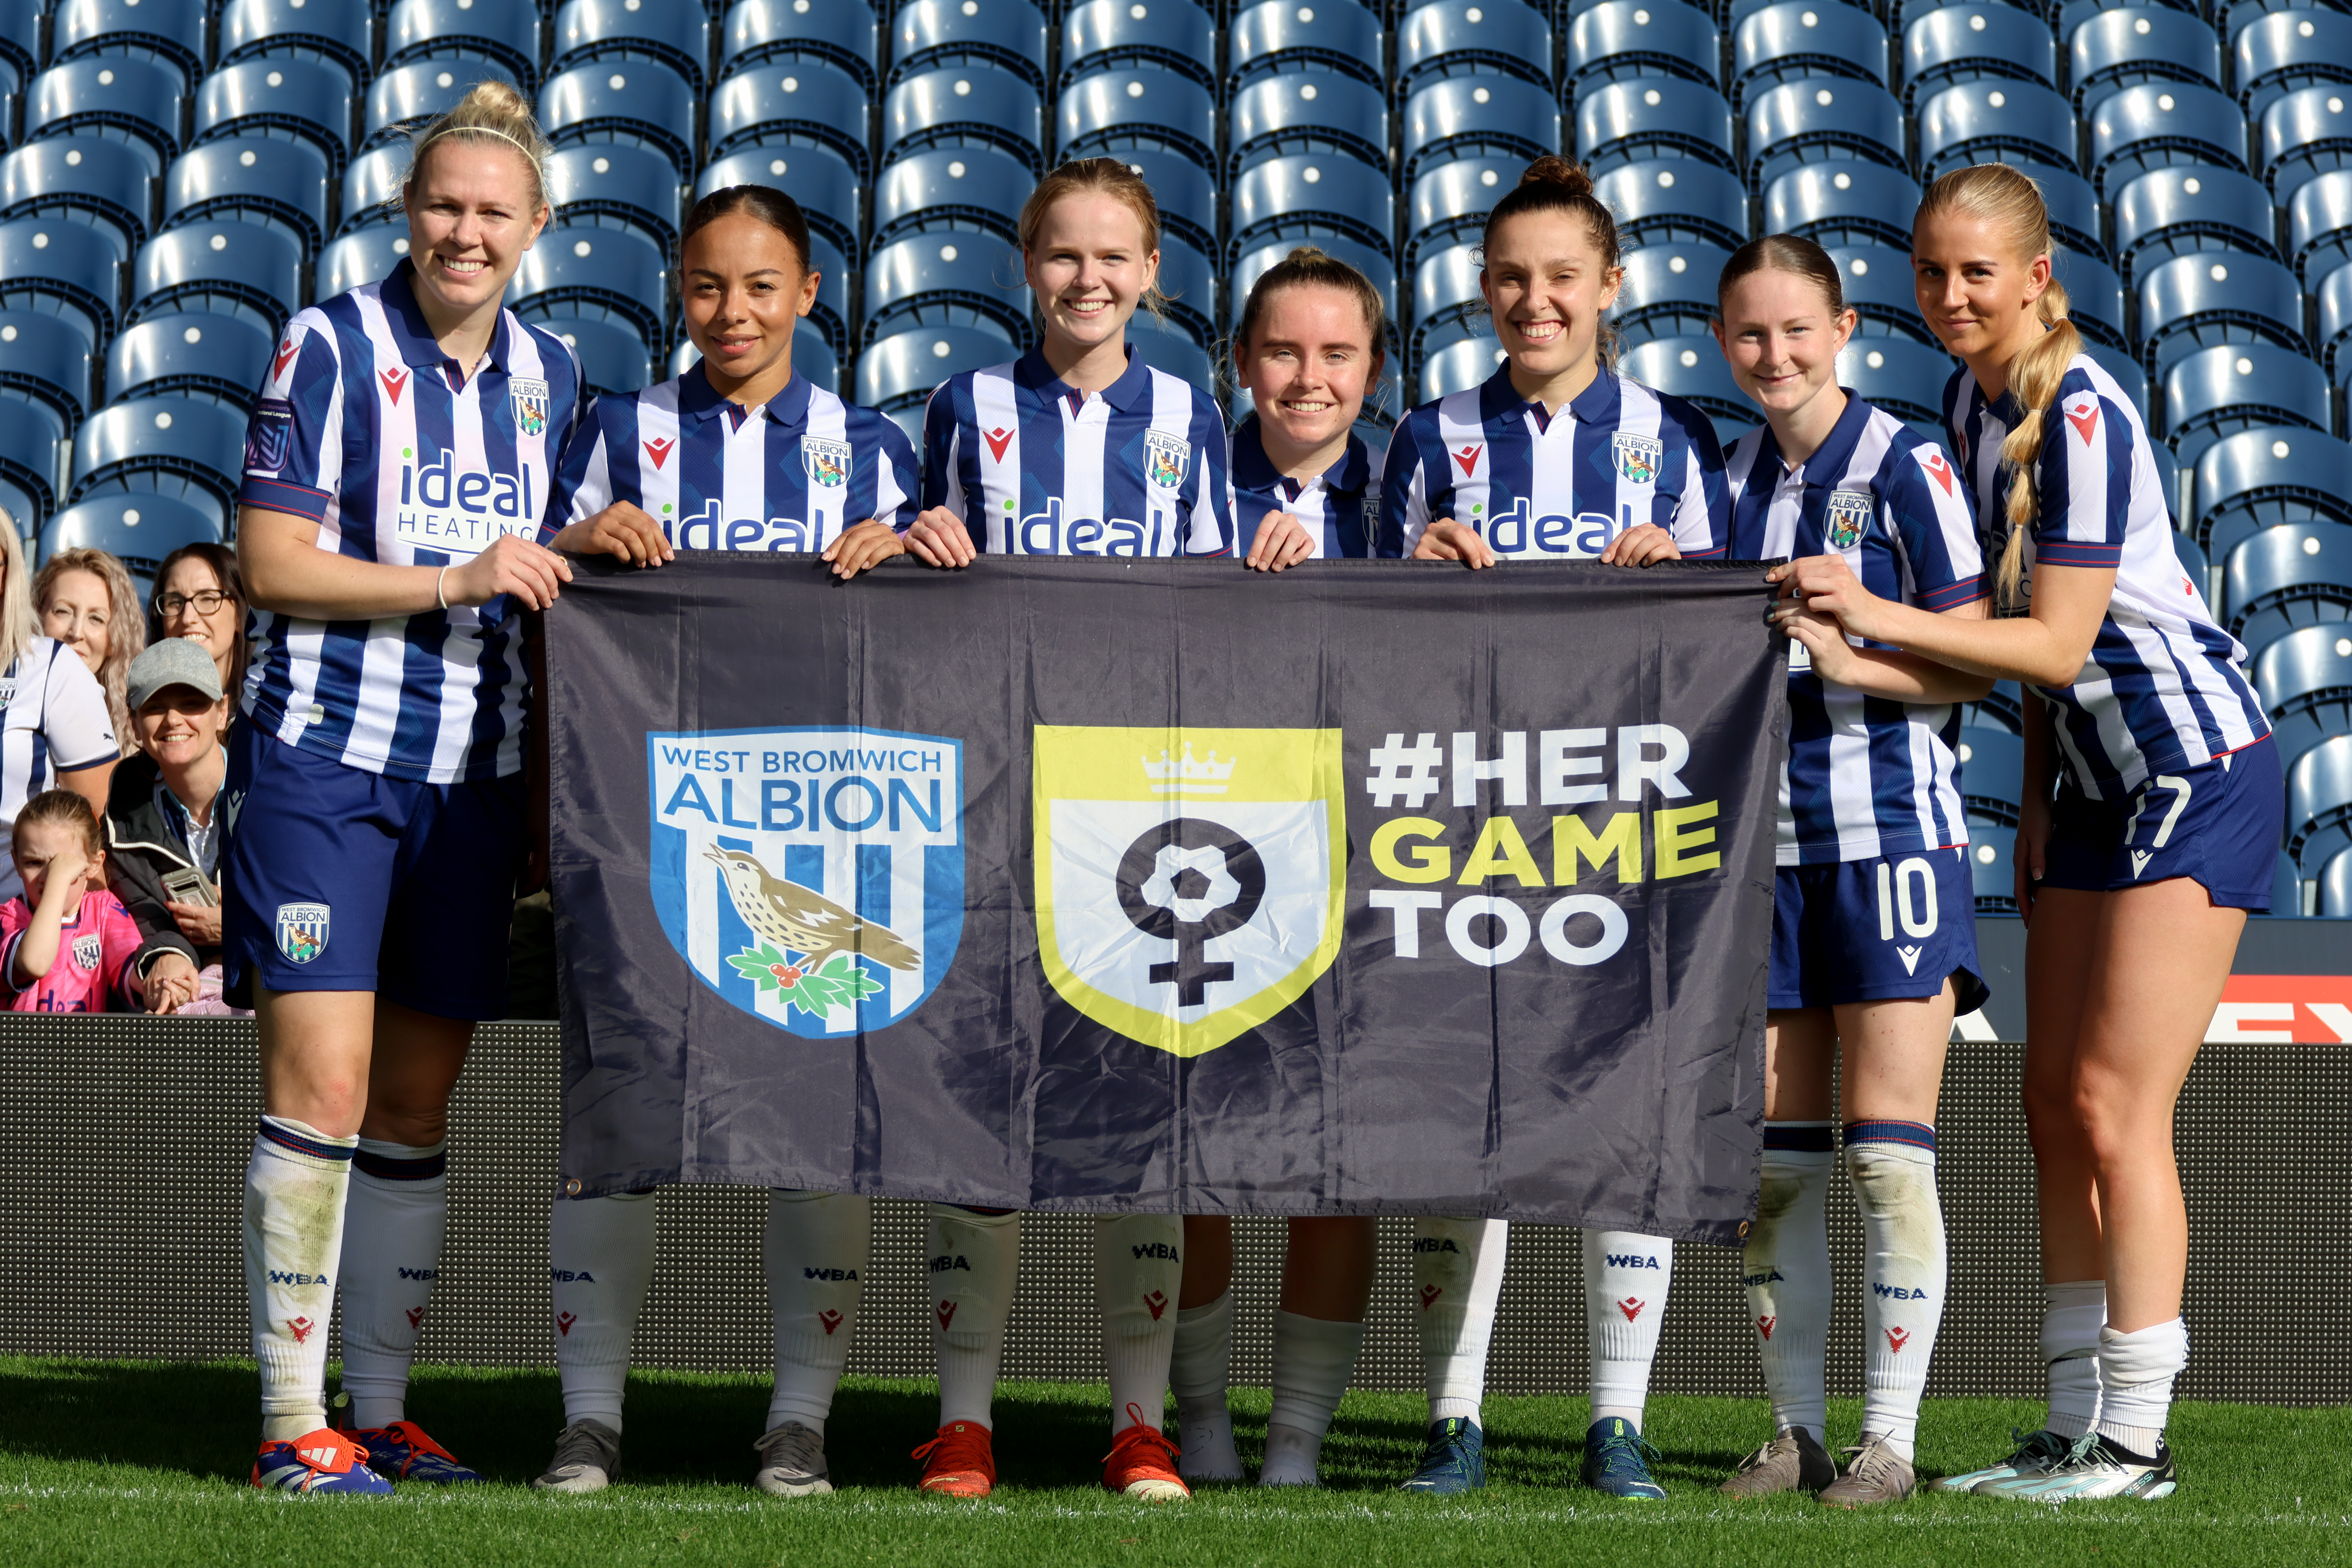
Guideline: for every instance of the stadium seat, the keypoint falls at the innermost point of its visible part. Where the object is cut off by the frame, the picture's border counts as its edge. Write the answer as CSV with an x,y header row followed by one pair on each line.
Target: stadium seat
x,y
2304,682
898,374
2157,125
1985,122
1310,195
171,33
2074,217
934,35
175,446
970,188
955,278
403,99
612,358
1691,368
44,359
813,357
506,35
283,185
819,178
1188,279
2140,44
1822,119
2286,890
2195,564
1110,111
1621,39
1279,36
2335,324
1173,34
2001,708
1668,291
593,273
2319,227
1443,38
372,189
2185,209
2095,294
2335,886
1656,199
2319,804
2214,390
298,29
33,449
2258,479
1166,346
1878,289
20,42
211,358
616,185
1843,203
1648,117
2191,302
1307,112
844,33
588,31
1464,116
303,101
133,101
2132,375
138,528
1992,775
2283,578
2304,134
61,268
1447,303
1459,366
95,181
1797,40
1247,265
1972,42
1992,868
804,103
1904,377
640,103
1185,190
967,106
2287,49
232,268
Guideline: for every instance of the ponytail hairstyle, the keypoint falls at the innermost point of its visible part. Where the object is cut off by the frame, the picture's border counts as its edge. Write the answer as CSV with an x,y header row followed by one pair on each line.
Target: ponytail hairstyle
x,y
1307,267
1785,253
492,115
765,203
59,805
1556,184
1112,178
1998,196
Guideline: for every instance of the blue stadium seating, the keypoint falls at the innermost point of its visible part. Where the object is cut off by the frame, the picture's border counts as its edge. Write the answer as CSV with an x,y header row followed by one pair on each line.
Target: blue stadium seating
x,y
1691,368
2304,681
1668,290
845,34
2096,293
2319,804
233,268
801,103
2001,708
613,184
1904,377
2216,296
1188,282
966,106
1797,40
2279,579
2157,124
2178,211
1108,112
296,29
1310,195
1878,289
2257,478
304,101
1278,36
2319,227
2287,49
2287,890
1992,775
1305,111
32,445
1184,190
639,104
201,356
2137,44
593,273
173,33
1447,304
1971,42
20,42
2335,324
1165,347
1173,34
1820,119
1472,37
976,188
1621,39
897,374
47,360
403,98
1984,122
133,101
101,182
819,178
2335,886
1844,201
61,268
372,189
1993,868
284,185
929,35
956,278
2133,377
1465,116
139,527
2210,393
1656,199
174,447
586,31
2305,133
1459,366
1647,117
508,35
612,358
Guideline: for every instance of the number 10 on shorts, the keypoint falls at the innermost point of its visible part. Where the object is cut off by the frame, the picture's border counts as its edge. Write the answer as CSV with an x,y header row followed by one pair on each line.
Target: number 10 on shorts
x,y
1897,901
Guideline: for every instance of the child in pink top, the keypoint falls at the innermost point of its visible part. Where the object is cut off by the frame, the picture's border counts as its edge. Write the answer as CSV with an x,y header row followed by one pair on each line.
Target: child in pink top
x,y
50,964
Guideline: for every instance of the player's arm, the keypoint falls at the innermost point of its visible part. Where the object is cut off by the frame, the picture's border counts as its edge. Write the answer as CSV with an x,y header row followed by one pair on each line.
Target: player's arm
x,y
37,949
1886,671
2044,646
1281,541
286,572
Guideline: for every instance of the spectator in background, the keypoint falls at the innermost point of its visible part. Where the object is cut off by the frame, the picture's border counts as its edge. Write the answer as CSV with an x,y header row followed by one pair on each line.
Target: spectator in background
x,y
67,945
200,594
87,601
163,822
54,728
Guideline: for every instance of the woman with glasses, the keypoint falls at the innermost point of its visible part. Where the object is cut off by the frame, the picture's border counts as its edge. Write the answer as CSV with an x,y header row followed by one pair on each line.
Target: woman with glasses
x,y
200,594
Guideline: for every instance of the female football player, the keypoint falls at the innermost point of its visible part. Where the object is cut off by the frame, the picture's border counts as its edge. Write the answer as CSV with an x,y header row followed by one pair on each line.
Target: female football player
x,y
1555,456
2152,812
1310,342
395,466
1874,929
751,456
1078,447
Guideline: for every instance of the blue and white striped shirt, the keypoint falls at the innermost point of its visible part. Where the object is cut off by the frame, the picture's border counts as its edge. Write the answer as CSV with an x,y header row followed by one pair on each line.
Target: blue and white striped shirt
x,y
1032,467
1865,775
792,474
1556,487
1339,507
367,428
2163,686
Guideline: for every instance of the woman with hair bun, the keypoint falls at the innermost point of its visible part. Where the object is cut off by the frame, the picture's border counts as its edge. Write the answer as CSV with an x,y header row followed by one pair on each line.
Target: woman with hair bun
x,y
1556,458
2152,812
396,463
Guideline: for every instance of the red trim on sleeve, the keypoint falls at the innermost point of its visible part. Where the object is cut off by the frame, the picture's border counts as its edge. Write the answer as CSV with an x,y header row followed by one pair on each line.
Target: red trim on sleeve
x,y
283,495
1952,594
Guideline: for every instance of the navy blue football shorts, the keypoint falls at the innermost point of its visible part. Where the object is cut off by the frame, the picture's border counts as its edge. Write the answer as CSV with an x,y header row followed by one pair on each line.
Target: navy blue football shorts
x,y
1870,930
2219,823
340,879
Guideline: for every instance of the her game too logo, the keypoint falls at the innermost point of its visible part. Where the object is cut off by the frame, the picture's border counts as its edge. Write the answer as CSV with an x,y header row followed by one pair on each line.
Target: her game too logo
x,y
813,877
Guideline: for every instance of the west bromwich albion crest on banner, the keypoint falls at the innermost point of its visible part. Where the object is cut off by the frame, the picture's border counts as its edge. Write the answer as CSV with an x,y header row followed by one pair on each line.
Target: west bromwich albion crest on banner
x,y
1166,457
813,876
1637,456
1189,881
530,405
828,461
1847,517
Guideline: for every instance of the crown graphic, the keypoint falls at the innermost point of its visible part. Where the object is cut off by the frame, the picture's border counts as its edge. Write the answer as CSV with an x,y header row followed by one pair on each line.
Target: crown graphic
x,y
1190,776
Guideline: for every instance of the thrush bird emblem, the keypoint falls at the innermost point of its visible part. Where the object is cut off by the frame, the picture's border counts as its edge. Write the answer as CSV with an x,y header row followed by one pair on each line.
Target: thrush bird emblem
x,y
810,947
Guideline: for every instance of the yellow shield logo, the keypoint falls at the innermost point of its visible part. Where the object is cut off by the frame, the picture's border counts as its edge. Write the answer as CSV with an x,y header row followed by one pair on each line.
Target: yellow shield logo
x,y
1189,885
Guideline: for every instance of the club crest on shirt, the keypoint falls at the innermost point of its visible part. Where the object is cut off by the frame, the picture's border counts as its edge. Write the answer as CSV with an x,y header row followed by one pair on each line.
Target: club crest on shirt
x,y
1165,459
87,949
828,461
302,930
1848,515
265,436
530,405
7,687
1637,458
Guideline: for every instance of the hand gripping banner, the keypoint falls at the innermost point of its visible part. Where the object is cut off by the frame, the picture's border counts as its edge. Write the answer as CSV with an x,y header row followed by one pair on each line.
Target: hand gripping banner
x,y
1367,887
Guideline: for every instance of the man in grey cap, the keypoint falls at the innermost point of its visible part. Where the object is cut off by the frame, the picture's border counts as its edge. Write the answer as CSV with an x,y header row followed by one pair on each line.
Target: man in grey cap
x,y
163,811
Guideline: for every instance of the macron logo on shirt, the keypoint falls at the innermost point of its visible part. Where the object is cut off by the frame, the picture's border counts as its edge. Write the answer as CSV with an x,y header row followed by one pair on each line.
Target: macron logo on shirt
x,y
394,380
1468,458
2083,414
997,440
659,451
1938,468
286,353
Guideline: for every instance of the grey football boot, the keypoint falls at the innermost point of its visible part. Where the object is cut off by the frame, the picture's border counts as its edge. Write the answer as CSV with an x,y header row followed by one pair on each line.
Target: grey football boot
x,y
1792,1461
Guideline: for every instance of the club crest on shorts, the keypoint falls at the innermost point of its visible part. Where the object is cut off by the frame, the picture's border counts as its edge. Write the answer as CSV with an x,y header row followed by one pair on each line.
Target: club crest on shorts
x,y
1189,881
1848,516
301,932
1637,458
828,461
530,405
88,950
812,876
1165,459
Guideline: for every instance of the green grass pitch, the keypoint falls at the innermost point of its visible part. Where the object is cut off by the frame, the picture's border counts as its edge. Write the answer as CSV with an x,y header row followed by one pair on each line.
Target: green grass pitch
x,y
133,1463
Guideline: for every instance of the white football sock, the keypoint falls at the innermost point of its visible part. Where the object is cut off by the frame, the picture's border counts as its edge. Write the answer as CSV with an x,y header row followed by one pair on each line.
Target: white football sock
x,y
1197,1374
815,1249
1626,1278
2071,1322
600,1256
1313,1361
1139,1267
392,1220
974,1259
1892,1166
1457,1273
2136,1373
294,1185
1292,1458
1786,1267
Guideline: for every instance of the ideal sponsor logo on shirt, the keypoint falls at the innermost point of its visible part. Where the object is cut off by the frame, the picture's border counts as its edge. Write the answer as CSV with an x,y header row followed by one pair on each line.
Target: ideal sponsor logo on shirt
x,y
461,512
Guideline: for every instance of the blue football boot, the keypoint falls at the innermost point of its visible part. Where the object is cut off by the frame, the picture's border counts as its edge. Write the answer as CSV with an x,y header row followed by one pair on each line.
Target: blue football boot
x,y
1453,1461
404,1452
321,1461
1617,1461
